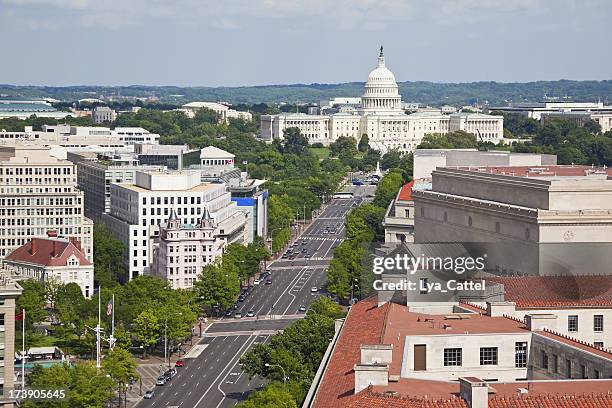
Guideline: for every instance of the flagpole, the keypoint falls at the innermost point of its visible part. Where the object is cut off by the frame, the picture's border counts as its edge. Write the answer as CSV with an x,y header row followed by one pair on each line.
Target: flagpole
x,y
23,351
112,340
98,330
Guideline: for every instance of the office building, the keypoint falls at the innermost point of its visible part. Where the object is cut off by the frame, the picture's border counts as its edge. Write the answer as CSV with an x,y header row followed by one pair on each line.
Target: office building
x,y
52,259
63,139
38,194
217,165
96,173
9,292
381,116
170,156
138,209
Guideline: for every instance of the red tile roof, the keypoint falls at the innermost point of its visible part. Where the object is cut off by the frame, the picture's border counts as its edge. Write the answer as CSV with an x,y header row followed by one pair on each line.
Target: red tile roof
x,y
405,193
370,399
368,324
542,292
47,252
364,325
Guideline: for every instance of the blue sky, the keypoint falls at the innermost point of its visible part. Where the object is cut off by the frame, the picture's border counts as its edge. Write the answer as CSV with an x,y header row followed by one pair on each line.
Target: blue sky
x,y
257,42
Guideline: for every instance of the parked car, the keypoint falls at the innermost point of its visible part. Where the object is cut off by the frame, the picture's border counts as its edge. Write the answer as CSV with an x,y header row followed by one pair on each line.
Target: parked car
x,y
179,363
229,313
241,298
304,242
284,256
302,309
250,313
149,394
238,315
314,289
161,380
256,282
269,281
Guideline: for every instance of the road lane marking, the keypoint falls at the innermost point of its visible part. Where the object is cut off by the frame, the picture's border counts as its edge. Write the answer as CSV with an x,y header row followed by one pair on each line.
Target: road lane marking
x,y
231,363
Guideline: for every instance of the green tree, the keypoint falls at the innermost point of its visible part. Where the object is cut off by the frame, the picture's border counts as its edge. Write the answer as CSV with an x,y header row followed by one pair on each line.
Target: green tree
x,y
364,143
272,396
390,159
218,285
146,329
108,257
32,299
86,387
388,187
343,145
294,142
118,363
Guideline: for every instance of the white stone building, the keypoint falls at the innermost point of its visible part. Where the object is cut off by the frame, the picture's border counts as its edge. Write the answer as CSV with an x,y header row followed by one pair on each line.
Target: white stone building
x,y
101,114
546,220
185,249
381,116
223,111
139,208
38,194
53,258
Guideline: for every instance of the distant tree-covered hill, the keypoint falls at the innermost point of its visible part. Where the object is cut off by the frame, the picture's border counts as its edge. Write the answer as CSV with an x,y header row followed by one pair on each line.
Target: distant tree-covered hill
x,y
493,93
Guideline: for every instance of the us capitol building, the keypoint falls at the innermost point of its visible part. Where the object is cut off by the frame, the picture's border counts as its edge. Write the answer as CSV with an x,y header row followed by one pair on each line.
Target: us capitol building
x,y
379,114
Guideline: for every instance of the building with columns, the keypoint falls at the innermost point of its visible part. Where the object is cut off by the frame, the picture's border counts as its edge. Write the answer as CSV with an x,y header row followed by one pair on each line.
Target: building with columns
x,y
380,115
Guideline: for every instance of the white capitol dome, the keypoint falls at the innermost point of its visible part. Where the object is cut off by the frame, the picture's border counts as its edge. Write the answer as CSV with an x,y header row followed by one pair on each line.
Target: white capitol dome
x,y
381,92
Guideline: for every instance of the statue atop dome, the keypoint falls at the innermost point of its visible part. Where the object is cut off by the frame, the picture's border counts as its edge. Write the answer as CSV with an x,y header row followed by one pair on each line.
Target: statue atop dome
x,y
381,52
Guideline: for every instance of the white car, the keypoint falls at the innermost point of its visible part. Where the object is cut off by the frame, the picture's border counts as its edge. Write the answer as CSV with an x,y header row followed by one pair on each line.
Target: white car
x,y
256,282
314,289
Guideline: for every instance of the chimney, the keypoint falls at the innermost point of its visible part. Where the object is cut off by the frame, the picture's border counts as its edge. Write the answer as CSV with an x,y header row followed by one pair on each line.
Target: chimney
x,y
541,321
33,245
376,353
55,248
370,374
75,242
474,391
498,309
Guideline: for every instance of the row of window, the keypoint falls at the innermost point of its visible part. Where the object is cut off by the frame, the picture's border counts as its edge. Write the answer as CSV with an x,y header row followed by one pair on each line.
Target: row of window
x,y
572,323
553,364
453,357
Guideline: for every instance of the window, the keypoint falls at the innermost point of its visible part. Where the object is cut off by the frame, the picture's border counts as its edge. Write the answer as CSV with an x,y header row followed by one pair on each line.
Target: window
x,y
598,323
488,356
599,344
568,368
520,354
555,362
1,319
544,360
572,323
452,357
583,372
596,374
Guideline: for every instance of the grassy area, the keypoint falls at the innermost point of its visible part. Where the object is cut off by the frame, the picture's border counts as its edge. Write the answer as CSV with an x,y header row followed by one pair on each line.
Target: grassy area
x,y
320,152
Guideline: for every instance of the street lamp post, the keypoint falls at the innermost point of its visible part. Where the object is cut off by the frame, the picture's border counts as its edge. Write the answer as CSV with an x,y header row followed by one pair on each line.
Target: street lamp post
x,y
353,290
281,367
166,354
